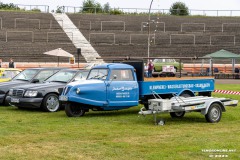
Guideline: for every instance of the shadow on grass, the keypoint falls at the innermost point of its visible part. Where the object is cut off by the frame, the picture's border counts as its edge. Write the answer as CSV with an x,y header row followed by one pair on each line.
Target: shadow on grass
x,y
17,109
190,119
125,112
130,114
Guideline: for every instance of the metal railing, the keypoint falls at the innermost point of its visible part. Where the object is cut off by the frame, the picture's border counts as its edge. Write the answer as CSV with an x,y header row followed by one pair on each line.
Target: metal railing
x,y
200,12
42,8
95,10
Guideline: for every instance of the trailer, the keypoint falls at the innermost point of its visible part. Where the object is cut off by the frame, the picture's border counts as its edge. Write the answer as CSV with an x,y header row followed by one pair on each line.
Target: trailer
x,y
211,107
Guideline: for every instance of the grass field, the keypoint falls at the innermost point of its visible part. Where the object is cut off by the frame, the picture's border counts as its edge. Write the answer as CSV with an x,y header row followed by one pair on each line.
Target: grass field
x,y
31,134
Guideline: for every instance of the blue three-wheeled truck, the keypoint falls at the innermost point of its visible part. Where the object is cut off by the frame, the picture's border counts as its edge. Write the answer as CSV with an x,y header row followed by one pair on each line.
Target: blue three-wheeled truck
x,y
116,86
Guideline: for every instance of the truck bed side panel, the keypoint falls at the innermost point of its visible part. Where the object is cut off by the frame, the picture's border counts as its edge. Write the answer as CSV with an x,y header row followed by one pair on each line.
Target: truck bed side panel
x,y
175,86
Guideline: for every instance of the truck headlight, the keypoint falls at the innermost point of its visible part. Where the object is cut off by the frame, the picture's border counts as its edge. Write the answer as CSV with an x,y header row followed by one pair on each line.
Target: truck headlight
x,y
10,93
30,94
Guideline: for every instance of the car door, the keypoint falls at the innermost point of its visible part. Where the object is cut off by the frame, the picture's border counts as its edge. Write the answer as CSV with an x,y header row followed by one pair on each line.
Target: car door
x,y
122,89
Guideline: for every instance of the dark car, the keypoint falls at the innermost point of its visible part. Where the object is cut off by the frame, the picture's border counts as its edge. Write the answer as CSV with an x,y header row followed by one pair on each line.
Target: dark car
x,y
44,95
32,75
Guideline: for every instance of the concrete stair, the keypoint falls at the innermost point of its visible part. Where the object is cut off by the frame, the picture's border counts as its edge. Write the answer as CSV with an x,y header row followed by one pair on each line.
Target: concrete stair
x,y
77,38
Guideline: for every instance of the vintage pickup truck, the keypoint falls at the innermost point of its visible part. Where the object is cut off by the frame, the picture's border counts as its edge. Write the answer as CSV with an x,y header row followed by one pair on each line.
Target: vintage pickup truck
x,y
116,86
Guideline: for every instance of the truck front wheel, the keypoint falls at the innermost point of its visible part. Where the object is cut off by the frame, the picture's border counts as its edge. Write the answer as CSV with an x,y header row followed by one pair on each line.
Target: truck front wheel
x,y
73,110
214,113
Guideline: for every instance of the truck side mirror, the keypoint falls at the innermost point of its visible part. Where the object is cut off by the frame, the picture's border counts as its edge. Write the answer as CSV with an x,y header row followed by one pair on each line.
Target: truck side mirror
x,y
114,77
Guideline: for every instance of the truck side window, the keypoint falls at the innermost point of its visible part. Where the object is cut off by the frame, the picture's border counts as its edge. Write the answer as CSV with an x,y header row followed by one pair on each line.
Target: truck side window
x,y
122,75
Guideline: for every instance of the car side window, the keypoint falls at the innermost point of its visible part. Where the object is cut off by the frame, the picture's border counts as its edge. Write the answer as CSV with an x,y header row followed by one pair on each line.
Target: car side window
x,y
42,75
122,75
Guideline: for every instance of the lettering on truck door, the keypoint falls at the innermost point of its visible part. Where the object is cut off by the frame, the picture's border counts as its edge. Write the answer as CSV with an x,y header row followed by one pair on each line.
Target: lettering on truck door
x,y
123,89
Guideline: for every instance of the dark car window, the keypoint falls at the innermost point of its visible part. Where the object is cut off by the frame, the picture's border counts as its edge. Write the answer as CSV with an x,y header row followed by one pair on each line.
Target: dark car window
x,y
26,75
62,76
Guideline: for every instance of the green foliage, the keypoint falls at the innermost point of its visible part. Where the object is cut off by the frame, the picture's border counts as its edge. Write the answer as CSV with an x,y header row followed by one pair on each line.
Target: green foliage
x,y
106,8
35,10
179,9
60,9
90,6
9,6
116,11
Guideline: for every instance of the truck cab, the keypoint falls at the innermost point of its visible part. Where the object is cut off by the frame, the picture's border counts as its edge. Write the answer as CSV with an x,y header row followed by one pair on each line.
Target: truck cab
x,y
108,87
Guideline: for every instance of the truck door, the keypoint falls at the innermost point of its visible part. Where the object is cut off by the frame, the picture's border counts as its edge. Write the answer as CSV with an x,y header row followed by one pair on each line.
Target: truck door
x,y
122,90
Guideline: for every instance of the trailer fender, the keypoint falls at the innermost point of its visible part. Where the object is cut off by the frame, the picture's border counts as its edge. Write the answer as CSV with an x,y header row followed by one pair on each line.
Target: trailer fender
x,y
186,92
209,103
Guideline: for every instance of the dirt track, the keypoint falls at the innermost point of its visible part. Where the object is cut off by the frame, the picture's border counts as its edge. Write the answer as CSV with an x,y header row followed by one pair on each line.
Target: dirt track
x,y
227,81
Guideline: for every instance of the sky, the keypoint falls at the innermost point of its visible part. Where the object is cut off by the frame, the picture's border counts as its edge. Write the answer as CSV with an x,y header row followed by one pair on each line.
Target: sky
x,y
157,4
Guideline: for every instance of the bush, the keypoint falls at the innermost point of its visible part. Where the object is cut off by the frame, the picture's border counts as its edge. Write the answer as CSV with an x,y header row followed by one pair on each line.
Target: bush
x,y
179,9
116,11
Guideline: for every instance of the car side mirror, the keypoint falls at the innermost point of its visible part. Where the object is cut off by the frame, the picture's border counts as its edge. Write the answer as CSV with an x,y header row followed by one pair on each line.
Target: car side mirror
x,y
35,81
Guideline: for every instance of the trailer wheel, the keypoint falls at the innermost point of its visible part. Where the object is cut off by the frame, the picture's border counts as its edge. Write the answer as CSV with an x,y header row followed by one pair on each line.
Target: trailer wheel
x,y
180,114
214,114
177,114
73,110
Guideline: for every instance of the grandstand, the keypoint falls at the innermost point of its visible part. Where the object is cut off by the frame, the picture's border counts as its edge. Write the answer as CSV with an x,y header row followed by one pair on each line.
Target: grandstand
x,y
25,36
126,35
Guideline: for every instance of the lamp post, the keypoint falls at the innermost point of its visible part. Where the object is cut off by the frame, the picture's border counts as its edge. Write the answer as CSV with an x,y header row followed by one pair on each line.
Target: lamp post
x,y
149,15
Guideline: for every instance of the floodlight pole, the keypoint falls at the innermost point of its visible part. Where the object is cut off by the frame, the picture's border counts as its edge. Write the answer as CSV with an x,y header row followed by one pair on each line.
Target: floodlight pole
x,y
149,19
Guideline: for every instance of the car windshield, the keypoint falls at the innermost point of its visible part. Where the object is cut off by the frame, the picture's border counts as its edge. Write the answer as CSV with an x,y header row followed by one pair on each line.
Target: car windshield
x,y
26,75
62,76
98,74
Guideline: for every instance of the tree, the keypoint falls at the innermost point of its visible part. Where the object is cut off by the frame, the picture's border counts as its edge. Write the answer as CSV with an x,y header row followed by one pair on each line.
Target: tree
x,y
9,6
90,6
179,8
106,7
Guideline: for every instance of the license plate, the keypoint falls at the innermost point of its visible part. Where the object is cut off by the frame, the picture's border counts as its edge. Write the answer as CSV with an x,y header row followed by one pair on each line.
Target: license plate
x,y
63,98
14,100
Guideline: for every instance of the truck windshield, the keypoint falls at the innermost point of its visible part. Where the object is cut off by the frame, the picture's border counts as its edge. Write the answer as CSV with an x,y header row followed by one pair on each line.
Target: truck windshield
x,y
98,74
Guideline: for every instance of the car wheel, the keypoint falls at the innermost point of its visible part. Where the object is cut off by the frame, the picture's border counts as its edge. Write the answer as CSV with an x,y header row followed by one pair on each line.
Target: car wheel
x,y
51,103
5,102
74,110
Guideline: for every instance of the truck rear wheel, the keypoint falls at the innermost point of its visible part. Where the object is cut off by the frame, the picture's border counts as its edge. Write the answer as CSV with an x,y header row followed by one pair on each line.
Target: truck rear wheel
x,y
214,114
73,110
